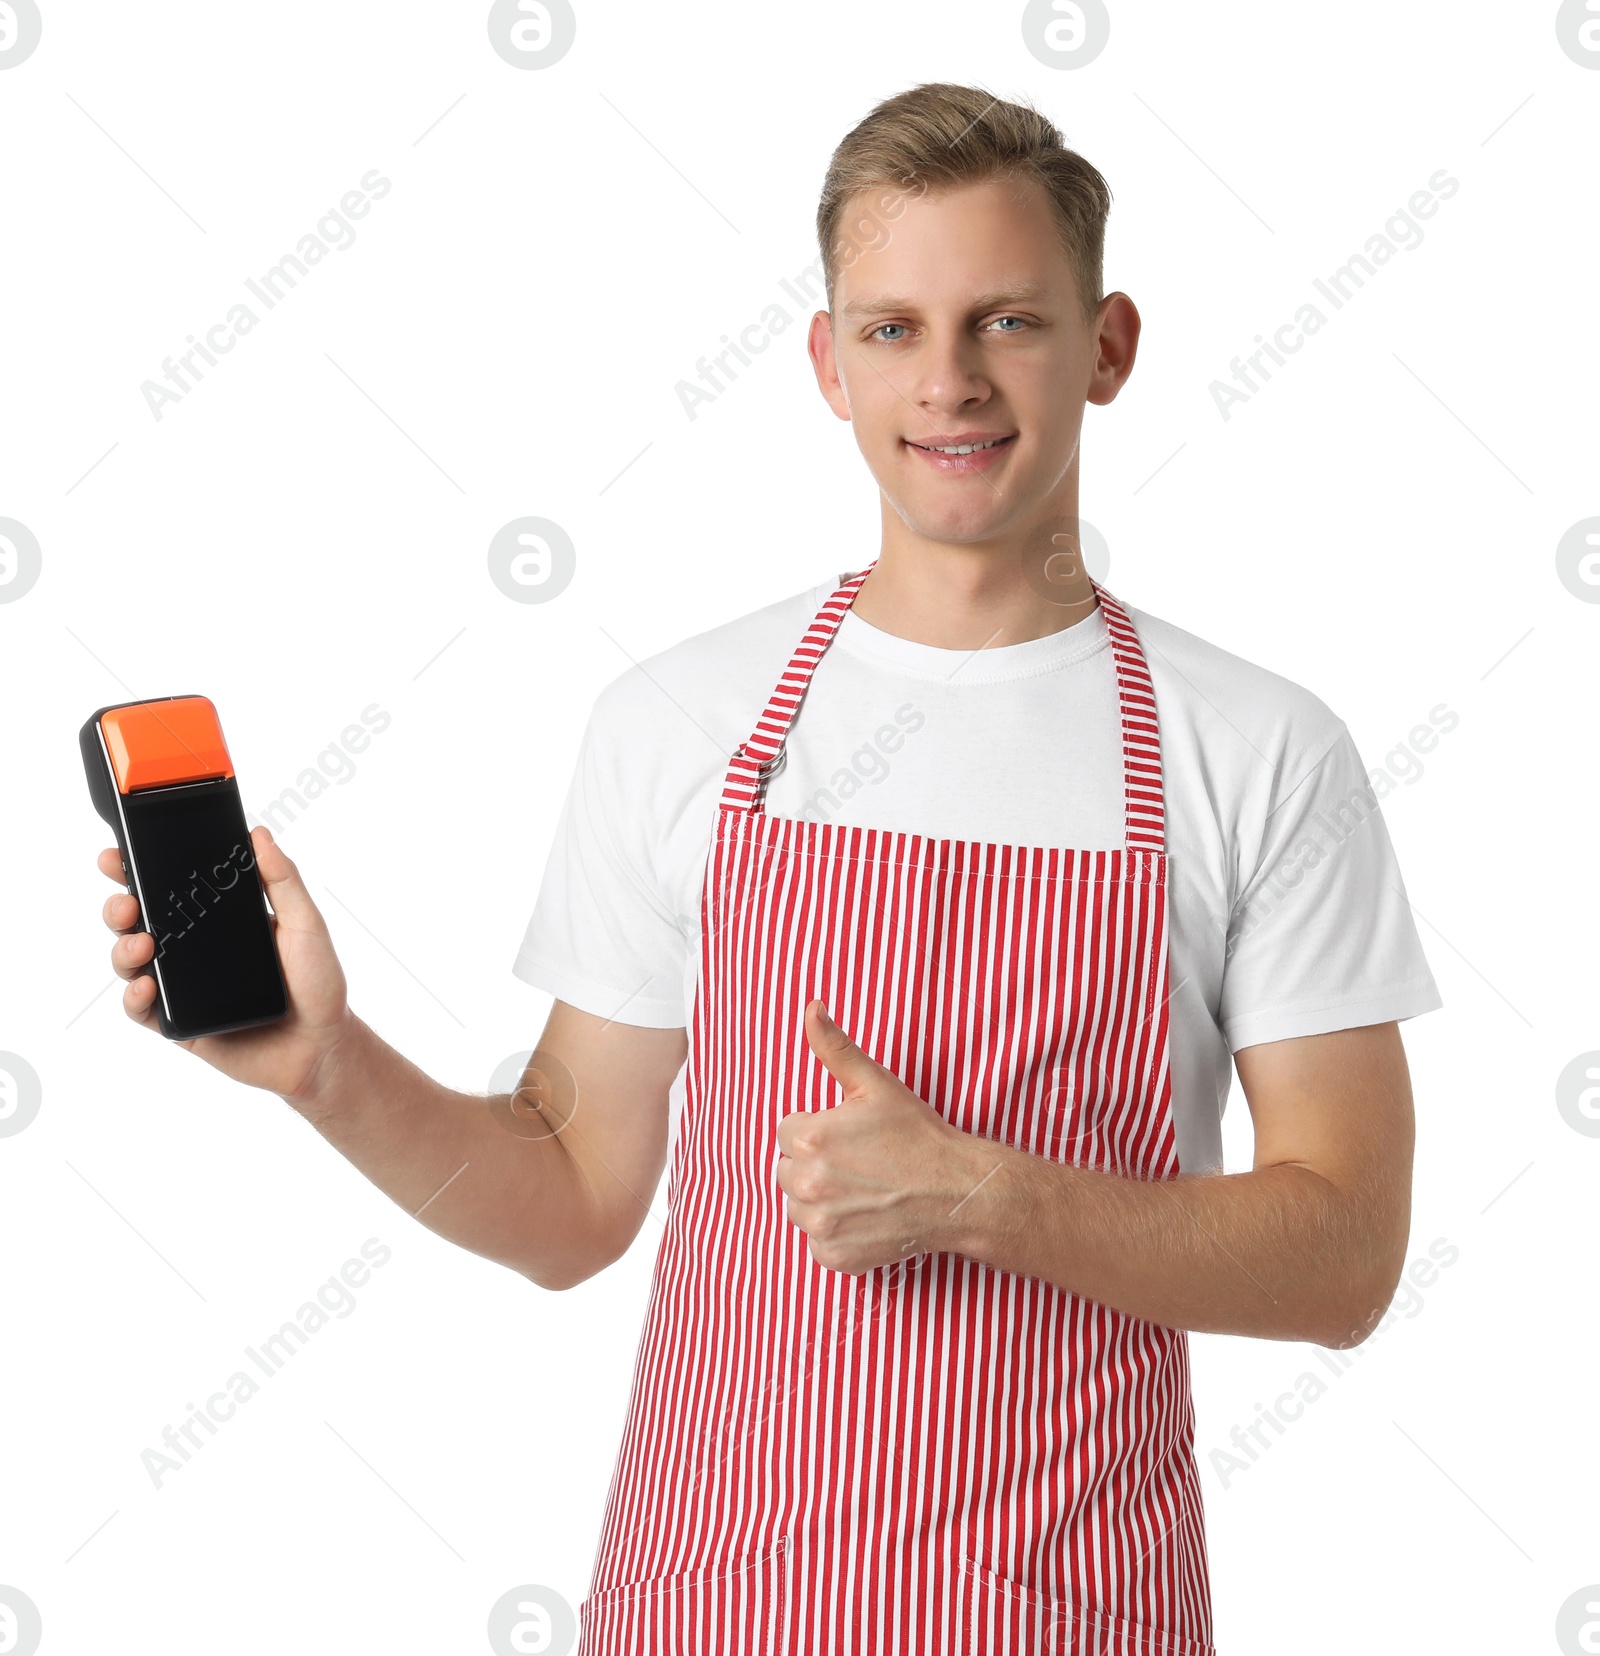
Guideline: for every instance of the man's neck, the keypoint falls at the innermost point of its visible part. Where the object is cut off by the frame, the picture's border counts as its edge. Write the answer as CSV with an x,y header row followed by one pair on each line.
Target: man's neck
x,y
966,596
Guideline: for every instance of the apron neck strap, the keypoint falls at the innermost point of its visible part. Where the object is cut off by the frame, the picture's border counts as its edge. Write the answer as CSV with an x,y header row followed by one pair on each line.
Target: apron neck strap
x,y
759,758
1145,810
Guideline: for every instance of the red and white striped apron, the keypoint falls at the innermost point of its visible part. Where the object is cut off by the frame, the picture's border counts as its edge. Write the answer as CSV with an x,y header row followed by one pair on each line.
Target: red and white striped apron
x,y
935,1456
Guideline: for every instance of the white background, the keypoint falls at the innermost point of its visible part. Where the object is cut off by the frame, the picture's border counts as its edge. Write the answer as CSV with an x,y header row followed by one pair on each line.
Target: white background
x,y
305,534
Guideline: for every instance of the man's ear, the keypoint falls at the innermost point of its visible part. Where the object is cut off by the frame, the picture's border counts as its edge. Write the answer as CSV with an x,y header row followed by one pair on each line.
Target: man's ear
x,y
1116,346
819,346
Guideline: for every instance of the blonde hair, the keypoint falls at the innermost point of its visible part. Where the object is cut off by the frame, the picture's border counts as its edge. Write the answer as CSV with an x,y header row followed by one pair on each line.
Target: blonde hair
x,y
937,135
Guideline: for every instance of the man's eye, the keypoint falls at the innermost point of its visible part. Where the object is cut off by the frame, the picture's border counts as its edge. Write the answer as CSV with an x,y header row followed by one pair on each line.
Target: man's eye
x,y
1017,319
882,325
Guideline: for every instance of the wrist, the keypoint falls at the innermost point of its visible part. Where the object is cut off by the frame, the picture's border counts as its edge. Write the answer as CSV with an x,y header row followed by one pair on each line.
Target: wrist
x,y
329,1071
975,1172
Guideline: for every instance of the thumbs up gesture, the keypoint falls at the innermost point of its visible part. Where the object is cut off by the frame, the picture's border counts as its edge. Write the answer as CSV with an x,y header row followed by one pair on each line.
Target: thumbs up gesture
x,y
875,1178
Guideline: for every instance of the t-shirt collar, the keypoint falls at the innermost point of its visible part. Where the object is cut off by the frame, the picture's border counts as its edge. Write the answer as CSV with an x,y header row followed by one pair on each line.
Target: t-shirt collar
x,y
992,664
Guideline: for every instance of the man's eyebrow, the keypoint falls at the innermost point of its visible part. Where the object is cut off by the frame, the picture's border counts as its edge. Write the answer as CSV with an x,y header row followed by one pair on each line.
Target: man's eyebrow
x,y
877,304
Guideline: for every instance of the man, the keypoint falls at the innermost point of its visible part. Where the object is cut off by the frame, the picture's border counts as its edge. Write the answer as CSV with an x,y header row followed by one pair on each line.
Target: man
x,y
956,918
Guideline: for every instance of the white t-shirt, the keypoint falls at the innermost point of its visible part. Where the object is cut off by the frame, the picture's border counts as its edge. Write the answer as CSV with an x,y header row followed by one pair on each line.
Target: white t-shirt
x,y
1286,911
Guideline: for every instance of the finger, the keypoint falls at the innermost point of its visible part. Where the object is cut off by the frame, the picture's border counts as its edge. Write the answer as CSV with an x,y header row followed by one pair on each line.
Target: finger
x,y
131,953
121,913
843,1059
286,891
139,1000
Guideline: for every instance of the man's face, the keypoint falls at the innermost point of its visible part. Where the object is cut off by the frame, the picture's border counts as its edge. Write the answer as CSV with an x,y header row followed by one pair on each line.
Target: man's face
x,y
965,326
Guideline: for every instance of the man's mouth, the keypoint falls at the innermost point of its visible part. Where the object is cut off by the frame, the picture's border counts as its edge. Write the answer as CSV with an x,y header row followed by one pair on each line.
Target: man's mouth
x,y
964,457
962,448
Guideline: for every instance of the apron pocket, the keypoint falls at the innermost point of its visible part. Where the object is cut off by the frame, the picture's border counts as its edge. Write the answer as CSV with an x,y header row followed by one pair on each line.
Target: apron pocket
x,y
1000,1614
719,1607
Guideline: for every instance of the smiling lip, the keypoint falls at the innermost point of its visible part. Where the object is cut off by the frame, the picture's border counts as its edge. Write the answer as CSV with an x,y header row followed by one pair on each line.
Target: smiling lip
x,y
980,459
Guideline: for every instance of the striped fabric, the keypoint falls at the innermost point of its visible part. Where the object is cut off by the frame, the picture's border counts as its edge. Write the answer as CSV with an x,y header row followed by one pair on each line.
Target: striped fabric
x,y
933,1456
756,759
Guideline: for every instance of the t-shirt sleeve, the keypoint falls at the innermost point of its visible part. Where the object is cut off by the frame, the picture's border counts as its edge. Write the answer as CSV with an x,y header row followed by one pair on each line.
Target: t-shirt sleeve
x,y
1322,936
603,937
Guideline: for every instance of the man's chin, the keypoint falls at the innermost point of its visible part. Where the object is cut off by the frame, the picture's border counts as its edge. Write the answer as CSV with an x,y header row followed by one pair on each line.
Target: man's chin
x,y
955,523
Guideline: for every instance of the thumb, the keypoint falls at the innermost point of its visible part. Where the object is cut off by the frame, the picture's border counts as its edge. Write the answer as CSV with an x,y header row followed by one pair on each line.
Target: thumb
x,y
842,1058
286,891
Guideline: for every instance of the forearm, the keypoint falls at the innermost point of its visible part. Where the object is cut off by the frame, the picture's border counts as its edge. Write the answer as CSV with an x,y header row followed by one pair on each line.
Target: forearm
x,y
1278,1253
444,1158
